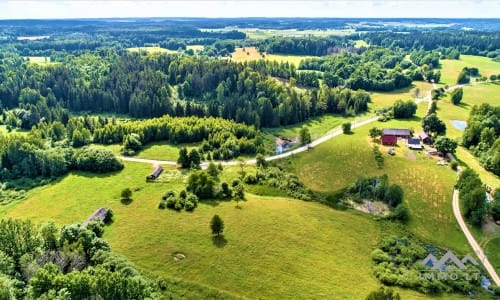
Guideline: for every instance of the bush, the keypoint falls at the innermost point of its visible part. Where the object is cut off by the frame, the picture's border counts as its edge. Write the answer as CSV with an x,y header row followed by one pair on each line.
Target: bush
x,y
126,193
162,204
108,217
346,127
96,227
95,160
170,202
250,179
454,165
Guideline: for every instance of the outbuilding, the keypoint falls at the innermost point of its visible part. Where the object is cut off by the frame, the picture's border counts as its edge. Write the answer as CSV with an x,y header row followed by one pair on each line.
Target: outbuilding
x,y
424,137
156,173
390,135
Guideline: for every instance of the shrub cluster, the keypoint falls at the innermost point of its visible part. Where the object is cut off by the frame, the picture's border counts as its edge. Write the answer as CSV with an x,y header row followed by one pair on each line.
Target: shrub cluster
x,y
183,200
276,177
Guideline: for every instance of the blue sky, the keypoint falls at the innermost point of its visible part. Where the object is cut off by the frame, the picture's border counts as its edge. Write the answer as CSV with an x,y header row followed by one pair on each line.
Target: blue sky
x,y
21,9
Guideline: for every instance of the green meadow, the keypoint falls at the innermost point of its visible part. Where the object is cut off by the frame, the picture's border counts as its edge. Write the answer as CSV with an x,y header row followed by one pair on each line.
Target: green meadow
x,y
273,247
450,68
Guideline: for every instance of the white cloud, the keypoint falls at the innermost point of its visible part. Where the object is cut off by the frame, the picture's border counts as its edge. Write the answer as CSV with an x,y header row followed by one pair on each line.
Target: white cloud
x,y
360,8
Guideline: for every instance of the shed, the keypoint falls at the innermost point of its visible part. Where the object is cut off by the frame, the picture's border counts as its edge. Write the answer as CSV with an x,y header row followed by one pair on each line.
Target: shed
x,y
156,173
450,157
390,135
414,144
99,214
424,137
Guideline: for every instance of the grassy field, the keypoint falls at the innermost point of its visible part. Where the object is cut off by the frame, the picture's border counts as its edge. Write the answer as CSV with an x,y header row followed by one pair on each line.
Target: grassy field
x,y
251,53
360,43
380,100
39,59
451,68
272,247
428,187
493,254
3,130
151,50
473,95
195,48
163,150
318,126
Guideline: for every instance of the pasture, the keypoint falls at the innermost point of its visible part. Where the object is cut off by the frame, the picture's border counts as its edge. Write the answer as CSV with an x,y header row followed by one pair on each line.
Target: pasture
x,y
272,247
450,68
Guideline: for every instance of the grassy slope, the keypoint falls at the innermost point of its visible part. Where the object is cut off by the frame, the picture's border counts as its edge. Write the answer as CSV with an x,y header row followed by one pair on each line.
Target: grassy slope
x,y
451,68
428,187
276,247
493,253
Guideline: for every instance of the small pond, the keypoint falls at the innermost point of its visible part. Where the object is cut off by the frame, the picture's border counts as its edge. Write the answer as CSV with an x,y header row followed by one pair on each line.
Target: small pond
x,y
460,125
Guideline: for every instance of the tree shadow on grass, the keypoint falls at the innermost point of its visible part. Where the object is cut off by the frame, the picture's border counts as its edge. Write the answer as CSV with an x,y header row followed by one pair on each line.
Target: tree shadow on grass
x,y
219,241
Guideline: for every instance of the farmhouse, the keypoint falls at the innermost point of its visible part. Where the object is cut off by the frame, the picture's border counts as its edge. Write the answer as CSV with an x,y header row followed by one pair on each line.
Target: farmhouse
x,y
390,135
414,144
155,173
424,137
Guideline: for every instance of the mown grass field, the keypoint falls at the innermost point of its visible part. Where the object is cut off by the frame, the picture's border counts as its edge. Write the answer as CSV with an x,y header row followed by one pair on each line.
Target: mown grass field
x,y
428,187
272,247
251,53
450,68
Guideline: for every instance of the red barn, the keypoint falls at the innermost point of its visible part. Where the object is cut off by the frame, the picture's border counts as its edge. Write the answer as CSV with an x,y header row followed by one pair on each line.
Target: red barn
x,y
390,135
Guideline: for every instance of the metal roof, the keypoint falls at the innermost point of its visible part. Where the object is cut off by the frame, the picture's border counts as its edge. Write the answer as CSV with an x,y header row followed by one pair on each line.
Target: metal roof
x,y
396,131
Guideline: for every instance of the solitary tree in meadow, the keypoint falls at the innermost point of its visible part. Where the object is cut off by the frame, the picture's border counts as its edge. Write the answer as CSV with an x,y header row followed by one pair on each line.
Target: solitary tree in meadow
x,y
126,194
217,225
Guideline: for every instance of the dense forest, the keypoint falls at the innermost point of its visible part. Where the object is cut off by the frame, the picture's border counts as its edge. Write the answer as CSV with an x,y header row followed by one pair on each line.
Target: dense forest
x,y
144,86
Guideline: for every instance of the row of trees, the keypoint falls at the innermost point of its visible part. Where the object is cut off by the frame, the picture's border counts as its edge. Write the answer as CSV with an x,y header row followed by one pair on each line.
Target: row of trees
x,y
482,136
472,196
